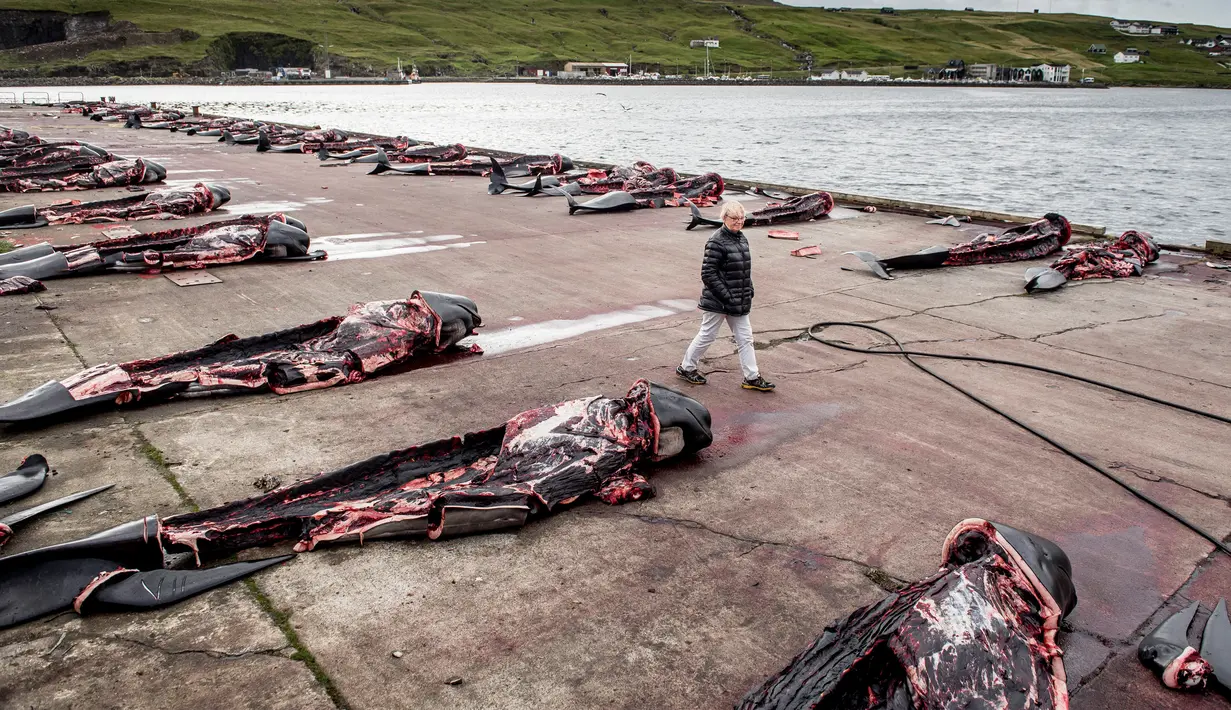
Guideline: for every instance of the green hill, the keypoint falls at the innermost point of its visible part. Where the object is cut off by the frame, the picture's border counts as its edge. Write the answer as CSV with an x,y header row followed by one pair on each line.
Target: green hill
x,y
461,38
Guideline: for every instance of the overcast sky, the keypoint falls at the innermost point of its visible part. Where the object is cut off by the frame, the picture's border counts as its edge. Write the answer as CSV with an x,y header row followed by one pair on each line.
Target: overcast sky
x,y
1206,12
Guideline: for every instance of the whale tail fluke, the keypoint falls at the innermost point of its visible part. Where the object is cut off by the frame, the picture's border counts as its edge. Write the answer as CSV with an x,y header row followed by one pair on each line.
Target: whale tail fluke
x,y
498,182
699,219
873,263
378,157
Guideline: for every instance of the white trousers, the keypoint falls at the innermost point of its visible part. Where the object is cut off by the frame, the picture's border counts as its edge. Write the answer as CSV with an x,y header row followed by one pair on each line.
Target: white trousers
x,y
741,328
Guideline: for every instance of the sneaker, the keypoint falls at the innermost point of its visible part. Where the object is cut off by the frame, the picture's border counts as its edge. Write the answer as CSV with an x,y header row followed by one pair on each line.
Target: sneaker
x,y
760,384
692,377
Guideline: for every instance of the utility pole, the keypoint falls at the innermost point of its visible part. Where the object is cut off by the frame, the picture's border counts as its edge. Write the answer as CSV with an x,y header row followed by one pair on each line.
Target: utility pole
x,y
326,24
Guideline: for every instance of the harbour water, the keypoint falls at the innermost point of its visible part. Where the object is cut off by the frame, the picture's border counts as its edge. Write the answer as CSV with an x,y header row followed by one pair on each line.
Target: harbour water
x,y
1151,159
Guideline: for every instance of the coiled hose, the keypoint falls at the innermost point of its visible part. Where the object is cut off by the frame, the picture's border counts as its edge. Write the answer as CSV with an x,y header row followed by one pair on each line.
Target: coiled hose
x,y
910,356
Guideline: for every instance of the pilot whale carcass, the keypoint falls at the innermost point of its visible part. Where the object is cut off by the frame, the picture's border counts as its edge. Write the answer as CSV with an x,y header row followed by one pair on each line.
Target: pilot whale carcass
x,y
796,209
226,242
702,189
979,633
1028,241
1126,256
170,203
333,351
495,479
137,171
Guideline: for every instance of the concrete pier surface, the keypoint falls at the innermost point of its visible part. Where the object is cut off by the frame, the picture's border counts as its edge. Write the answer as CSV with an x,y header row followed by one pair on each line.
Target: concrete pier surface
x,y
812,501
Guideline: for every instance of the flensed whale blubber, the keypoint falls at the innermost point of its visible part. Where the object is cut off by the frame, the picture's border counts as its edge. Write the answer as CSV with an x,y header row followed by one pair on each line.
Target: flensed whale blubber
x,y
494,479
339,350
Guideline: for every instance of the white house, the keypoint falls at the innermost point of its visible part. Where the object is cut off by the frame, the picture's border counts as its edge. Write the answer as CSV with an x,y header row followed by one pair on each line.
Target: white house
x,y
1122,58
1054,74
848,76
826,76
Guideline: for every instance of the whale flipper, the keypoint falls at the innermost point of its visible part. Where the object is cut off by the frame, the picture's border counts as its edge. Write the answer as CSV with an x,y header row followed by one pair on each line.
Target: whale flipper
x,y
1216,644
163,587
28,478
1042,278
1165,651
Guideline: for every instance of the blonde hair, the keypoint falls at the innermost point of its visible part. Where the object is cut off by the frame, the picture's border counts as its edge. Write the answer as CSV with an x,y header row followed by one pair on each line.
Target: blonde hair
x,y
731,208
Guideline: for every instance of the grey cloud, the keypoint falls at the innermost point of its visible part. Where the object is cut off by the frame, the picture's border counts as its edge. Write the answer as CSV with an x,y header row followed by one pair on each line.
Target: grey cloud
x,y
1206,12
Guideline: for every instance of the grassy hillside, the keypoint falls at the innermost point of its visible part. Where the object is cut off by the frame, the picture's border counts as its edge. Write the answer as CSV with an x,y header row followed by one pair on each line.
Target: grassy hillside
x,y
464,37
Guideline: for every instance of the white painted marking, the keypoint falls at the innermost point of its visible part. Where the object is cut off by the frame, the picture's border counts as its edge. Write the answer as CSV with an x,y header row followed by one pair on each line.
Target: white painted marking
x,y
253,207
383,248
181,172
371,244
356,236
182,182
528,336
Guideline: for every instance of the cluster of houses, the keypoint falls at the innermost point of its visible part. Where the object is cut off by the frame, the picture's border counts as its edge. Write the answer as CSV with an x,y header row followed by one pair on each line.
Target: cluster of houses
x,y
279,73
1218,46
1143,28
958,70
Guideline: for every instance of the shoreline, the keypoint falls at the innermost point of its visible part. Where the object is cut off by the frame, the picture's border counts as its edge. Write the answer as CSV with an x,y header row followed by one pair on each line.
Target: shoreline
x,y
13,83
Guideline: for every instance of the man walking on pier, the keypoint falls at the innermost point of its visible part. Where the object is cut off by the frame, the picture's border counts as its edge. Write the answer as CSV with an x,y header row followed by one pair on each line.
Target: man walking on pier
x,y
726,294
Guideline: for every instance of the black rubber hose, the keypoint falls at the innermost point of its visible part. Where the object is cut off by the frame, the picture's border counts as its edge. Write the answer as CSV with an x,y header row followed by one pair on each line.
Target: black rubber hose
x,y
1013,363
911,354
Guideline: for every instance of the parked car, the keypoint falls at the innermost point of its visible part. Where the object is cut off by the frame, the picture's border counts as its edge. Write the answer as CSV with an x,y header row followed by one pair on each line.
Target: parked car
x,y
1087,80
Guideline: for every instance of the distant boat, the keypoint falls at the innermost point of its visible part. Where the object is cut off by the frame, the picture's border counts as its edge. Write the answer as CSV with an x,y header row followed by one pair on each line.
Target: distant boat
x,y
414,73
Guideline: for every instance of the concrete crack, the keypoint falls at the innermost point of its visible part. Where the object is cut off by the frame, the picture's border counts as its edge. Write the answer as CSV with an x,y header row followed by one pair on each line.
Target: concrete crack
x,y
67,341
879,576
928,310
998,336
1092,326
1146,474
212,652
840,368
1134,364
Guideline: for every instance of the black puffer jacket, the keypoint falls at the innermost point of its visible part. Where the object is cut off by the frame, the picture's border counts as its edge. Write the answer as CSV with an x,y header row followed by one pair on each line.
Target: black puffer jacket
x,y
726,274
